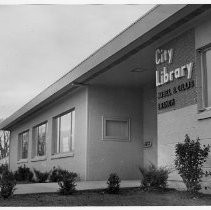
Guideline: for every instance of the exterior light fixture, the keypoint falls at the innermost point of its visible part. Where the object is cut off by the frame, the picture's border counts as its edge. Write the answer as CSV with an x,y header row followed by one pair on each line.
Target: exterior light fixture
x,y
138,70
78,84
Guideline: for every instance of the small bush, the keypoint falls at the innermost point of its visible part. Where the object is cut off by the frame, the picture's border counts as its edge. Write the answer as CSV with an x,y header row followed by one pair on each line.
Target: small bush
x,y
41,177
55,174
24,174
3,167
67,182
113,183
154,178
7,184
190,158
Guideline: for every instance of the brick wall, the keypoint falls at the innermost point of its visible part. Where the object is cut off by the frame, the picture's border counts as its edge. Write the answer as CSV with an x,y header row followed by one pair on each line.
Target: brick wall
x,y
183,53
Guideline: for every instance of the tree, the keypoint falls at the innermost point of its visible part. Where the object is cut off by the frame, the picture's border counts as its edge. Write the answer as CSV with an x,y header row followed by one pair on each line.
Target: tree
x,y
190,158
4,144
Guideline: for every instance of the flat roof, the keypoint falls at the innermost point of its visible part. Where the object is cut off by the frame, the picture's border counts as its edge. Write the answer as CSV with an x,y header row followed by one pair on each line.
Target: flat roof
x,y
144,29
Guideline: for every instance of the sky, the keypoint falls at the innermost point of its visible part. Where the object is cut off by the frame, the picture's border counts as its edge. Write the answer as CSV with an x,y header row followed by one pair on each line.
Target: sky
x,y
41,43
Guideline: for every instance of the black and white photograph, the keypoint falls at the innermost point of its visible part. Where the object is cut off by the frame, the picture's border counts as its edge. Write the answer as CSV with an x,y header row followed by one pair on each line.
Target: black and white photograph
x,y
105,104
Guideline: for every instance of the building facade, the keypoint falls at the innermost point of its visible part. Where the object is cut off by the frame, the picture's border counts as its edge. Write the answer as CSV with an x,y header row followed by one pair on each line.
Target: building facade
x,y
125,106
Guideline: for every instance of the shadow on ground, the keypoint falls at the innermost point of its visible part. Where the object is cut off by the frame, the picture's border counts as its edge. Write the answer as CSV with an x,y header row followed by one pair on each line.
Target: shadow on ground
x,y
126,197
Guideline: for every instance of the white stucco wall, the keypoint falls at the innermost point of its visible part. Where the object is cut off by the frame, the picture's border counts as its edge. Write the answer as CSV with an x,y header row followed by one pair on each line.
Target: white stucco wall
x,y
95,159
150,123
77,162
173,125
109,156
172,128
124,158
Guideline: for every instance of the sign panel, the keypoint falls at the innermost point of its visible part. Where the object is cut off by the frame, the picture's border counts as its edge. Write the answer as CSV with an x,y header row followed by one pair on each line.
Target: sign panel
x,y
175,73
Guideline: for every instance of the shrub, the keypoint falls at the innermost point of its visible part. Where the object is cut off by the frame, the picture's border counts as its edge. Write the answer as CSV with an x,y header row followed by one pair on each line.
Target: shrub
x,y
7,184
190,157
67,182
113,183
41,177
154,178
3,167
24,174
55,174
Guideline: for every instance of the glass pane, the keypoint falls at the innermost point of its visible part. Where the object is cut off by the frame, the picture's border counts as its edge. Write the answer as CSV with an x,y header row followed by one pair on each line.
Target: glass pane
x,y
208,65
57,135
41,140
65,133
117,128
24,138
73,130
34,142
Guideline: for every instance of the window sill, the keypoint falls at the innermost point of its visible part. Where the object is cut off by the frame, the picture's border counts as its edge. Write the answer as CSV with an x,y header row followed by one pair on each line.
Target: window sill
x,y
204,114
35,159
62,155
116,139
22,161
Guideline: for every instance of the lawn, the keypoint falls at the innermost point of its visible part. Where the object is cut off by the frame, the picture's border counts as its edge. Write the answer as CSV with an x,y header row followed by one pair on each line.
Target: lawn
x,y
127,197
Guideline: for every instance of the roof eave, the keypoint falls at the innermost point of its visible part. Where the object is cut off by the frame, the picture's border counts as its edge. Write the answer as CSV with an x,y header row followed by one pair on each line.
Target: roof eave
x,y
140,31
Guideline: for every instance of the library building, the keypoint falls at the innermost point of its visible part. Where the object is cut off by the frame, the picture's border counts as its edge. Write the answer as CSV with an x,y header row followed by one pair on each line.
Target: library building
x,y
125,106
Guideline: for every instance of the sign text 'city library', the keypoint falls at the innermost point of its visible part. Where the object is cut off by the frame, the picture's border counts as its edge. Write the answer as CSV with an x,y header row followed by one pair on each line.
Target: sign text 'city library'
x,y
164,76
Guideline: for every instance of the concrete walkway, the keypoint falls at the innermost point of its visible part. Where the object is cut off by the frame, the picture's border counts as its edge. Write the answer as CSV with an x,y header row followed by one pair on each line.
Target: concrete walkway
x,y
179,185
92,185
83,185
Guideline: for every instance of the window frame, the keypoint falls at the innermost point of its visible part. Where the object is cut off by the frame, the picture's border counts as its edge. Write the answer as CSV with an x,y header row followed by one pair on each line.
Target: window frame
x,y
203,72
20,146
116,138
55,150
35,150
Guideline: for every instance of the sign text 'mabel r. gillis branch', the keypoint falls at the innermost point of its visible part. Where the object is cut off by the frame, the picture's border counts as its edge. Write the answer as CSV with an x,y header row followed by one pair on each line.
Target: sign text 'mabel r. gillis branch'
x,y
164,76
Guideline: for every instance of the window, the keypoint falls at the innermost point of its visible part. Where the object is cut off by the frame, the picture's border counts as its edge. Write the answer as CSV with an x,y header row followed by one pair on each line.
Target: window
x,y
206,76
23,140
116,128
39,140
63,133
